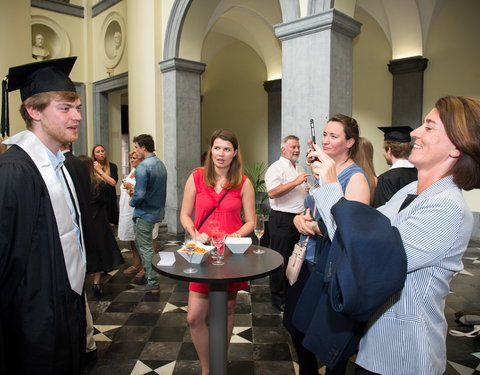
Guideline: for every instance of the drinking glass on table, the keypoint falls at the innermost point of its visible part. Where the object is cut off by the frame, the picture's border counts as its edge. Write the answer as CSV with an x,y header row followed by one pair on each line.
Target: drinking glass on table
x,y
190,245
218,240
259,231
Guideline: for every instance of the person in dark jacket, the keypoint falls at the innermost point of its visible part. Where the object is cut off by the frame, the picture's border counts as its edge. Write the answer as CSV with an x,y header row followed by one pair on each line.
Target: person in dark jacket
x,y
397,146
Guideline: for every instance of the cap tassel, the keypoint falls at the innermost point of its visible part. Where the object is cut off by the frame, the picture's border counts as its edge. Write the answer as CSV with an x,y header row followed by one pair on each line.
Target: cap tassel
x,y
5,125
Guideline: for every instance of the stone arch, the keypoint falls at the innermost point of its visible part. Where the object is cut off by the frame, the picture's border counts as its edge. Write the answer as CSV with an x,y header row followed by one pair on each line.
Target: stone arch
x,y
290,11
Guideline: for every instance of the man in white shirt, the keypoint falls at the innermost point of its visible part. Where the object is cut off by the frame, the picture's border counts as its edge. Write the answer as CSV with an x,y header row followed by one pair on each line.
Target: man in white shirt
x,y
397,146
287,187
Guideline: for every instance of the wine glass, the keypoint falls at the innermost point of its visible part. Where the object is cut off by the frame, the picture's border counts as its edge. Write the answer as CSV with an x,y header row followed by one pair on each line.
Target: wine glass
x,y
259,231
218,240
190,246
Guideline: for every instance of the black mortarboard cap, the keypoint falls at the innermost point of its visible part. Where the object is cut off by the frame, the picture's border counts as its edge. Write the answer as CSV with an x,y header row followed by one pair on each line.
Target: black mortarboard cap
x,y
35,78
396,133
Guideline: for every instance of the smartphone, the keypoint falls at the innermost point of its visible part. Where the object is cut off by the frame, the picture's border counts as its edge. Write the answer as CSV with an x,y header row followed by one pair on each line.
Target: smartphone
x,y
312,133
312,130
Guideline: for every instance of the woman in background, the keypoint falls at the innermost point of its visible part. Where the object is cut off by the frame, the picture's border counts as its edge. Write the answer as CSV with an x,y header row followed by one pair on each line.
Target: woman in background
x,y
106,247
109,173
125,221
222,174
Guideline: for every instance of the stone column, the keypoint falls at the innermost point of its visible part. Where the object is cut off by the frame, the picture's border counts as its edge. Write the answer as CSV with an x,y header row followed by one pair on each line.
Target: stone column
x,y
317,56
181,123
274,90
407,98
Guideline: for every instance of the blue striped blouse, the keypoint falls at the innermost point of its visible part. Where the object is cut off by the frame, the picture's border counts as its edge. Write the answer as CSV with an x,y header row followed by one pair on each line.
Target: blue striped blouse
x,y
407,336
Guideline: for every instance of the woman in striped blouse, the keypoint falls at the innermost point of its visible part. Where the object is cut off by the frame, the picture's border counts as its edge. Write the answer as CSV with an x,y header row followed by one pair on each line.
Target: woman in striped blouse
x,y
407,335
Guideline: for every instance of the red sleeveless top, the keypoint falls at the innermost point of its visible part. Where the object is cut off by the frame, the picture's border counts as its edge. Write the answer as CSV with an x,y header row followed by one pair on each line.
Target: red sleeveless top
x,y
226,216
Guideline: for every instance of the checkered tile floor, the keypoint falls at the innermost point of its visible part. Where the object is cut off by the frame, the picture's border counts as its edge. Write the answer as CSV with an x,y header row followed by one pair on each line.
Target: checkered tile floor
x,y
138,333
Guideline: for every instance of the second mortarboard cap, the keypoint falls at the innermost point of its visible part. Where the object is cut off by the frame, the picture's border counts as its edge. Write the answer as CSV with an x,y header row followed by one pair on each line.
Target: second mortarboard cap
x,y
35,78
396,133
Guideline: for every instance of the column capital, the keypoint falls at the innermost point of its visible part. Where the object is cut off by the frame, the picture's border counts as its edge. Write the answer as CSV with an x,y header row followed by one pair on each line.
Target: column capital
x,y
272,86
182,65
413,64
329,20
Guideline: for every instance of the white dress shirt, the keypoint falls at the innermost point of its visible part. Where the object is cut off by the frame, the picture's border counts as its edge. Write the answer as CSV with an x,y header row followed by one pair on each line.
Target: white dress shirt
x,y
75,261
402,163
282,172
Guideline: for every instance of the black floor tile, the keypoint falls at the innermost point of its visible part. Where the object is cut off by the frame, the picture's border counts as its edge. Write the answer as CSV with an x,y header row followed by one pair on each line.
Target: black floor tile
x,y
149,333
165,334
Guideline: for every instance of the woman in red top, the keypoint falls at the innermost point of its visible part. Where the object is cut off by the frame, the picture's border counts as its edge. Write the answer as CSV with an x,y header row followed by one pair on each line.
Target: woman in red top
x,y
222,173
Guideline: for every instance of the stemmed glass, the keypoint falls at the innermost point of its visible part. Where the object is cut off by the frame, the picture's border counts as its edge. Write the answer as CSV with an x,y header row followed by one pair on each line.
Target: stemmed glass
x,y
190,245
259,231
218,240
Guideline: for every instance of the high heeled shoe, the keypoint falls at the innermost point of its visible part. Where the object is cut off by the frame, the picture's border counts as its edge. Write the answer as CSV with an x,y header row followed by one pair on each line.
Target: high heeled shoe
x,y
97,290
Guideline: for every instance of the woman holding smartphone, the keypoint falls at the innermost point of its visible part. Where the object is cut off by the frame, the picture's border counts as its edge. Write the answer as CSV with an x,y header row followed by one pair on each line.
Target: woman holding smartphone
x,y
340,141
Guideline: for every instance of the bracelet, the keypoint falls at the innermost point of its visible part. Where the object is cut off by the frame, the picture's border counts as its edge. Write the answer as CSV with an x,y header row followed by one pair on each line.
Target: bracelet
x,y
314,226
238,234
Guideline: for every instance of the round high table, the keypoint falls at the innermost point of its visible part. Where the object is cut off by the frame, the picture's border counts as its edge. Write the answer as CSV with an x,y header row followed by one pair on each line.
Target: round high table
x,y
237,267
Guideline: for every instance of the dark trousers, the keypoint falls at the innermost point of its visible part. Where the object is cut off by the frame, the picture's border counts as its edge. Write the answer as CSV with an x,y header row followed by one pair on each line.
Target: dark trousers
x,y
283,237
307,361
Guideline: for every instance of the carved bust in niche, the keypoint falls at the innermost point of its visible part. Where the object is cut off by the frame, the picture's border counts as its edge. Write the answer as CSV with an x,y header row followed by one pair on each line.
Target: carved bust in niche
x,y
39,52
117,42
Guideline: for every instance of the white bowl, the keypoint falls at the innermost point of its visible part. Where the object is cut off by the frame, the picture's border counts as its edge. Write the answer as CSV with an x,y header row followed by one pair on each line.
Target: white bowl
x,y
238,245
197,257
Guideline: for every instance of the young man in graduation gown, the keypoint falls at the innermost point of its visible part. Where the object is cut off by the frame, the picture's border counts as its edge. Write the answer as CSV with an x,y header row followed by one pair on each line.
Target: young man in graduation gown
x,y
397,146
42,259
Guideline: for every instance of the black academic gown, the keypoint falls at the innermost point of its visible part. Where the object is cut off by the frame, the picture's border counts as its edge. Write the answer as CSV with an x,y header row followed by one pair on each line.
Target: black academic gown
x,y
80,174
392,181
112,204
42,320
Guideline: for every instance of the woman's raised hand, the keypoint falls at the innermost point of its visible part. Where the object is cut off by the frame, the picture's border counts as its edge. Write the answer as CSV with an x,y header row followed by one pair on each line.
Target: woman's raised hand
x,y
324,167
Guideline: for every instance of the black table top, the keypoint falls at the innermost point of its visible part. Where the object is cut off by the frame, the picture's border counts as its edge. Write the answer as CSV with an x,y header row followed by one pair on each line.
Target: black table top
x,y
237,267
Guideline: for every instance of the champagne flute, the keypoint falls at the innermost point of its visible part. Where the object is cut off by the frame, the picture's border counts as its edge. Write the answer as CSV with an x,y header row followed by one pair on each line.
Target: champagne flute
x,y
218,239
259,231
190,246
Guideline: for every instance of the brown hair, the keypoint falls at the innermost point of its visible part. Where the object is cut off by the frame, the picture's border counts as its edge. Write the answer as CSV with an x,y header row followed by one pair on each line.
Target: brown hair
x,y
41,101
364,159
350,127
461,118
106,166
234,174
95,179
400,150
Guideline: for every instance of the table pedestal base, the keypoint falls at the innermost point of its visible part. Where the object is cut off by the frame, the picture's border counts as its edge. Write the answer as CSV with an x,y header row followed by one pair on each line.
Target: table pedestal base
x,y
217,320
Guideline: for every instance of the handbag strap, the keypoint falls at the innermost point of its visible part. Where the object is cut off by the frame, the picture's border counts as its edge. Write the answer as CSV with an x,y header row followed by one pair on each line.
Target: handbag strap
x,y
213,209
314,212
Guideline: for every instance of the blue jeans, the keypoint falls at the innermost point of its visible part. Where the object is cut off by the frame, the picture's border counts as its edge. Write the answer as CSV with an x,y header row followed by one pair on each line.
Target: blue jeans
x,y
144,241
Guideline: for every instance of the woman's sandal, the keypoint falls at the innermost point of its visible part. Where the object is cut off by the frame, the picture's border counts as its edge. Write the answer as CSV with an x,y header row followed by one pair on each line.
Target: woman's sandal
x,y
97,290
132,269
